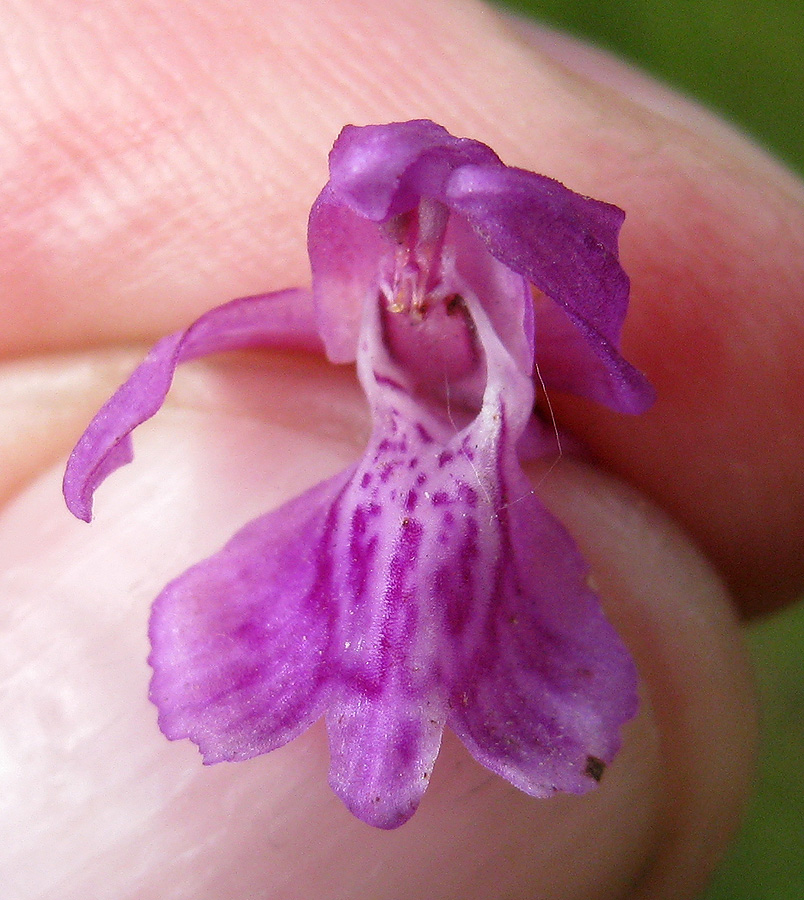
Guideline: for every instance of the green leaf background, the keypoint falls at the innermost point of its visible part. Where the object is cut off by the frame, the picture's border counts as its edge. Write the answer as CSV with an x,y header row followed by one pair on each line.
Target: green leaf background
x,y
746,61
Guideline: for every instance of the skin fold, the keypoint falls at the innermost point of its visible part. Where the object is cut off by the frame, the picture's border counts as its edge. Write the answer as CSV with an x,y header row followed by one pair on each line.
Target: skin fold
x,y
160,158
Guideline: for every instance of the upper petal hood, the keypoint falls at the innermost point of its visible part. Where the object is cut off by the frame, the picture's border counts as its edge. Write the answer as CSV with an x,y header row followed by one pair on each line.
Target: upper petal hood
x,y
559,241
380,171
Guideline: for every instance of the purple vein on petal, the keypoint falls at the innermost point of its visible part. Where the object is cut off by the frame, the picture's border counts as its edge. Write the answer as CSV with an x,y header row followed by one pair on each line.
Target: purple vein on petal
x,y
242,642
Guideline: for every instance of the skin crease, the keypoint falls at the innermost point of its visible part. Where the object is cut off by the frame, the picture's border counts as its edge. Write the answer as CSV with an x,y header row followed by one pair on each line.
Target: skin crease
x,y
160,158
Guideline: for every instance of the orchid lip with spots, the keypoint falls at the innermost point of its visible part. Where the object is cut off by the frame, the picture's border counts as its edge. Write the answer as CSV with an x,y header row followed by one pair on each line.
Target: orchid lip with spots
x,y
425,586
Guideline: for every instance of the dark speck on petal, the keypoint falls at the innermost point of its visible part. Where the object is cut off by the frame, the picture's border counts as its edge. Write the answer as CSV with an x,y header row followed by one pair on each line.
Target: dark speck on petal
x,y
594,768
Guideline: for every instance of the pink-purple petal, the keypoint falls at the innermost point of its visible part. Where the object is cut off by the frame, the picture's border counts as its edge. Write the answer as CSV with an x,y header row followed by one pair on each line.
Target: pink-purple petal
x,y
565,245
380,171
281,319
542,684
568,361
242,643
506,295
346,253
382,749
562,242
541,700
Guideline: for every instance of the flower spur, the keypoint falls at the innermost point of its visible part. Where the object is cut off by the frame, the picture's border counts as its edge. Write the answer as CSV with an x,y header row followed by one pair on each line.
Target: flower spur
x,y
426,585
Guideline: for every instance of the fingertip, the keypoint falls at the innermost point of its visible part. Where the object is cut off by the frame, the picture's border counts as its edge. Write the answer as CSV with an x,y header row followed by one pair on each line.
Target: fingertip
x,y
679,622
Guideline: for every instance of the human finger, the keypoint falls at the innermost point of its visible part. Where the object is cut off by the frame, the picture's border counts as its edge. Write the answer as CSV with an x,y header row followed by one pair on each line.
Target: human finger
x,y
98,804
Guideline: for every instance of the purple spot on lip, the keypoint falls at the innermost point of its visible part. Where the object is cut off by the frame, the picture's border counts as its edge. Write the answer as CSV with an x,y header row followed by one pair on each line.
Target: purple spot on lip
x,y
445,458
358,521
365,481
439,498
467,450
388,470
467,495
385,381
424,435
411,500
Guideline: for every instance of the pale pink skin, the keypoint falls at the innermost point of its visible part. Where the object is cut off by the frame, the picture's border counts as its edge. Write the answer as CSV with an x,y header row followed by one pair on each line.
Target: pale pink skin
x,y
160,158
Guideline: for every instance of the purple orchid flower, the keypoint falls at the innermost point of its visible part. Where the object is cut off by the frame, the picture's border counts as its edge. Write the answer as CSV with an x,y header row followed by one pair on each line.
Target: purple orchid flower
x,y
426,585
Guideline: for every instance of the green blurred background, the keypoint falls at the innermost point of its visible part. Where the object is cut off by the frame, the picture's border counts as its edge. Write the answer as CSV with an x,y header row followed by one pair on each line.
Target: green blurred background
x,y
742,58
745,60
